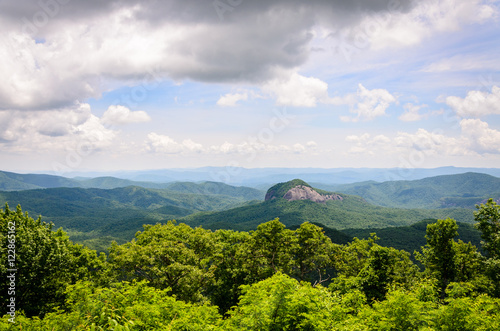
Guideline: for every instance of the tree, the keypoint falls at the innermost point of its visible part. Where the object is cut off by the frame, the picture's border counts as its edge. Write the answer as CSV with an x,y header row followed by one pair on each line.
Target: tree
x,y
488,222
229,274
439,252
371,268
269,249
312,253
282,303
168,256
46,262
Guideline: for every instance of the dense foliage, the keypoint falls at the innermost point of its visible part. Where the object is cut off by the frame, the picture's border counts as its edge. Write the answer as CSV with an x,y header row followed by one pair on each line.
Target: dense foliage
x,y
175,277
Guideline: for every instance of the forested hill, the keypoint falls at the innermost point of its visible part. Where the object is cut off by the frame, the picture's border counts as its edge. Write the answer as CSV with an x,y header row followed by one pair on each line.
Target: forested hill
x,y
295,202
448,191
10,181
117,214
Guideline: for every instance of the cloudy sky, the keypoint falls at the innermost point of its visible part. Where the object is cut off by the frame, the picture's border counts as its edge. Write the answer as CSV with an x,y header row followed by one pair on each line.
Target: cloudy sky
x,y
121,85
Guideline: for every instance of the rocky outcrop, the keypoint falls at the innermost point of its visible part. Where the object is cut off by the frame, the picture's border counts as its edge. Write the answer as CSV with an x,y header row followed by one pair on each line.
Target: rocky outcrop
x,y
307,193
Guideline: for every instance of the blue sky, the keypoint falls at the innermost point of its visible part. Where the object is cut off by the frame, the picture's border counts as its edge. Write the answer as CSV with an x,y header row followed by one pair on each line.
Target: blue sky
x,y
125,85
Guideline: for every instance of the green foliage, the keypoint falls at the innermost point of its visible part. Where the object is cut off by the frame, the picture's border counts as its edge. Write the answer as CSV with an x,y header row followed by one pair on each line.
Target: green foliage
x,y
46,262
168,256
488,222
411,238
363,265
176,277
119,213
282,303
447,260
124,306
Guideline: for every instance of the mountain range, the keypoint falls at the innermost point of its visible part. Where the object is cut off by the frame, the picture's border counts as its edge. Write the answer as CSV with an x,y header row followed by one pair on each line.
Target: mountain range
x,y
95,211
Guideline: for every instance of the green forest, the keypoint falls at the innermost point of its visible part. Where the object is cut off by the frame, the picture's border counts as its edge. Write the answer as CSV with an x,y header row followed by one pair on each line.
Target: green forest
x,y
176,277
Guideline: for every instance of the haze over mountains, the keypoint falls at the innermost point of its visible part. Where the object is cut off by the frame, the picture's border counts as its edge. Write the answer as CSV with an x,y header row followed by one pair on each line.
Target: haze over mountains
x,y
256,177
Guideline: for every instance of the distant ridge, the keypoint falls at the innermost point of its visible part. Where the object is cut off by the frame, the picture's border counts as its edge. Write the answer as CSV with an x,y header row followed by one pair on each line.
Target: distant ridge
x,y
446,191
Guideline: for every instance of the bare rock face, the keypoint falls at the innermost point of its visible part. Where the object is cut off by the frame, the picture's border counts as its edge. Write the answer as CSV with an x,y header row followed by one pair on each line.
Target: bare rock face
x,y
306,193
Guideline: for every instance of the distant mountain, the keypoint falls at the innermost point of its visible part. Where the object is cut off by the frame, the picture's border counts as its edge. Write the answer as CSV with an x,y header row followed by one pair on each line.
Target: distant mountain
x,y
266,177
10,181
218,189
342,211
16,182
449,191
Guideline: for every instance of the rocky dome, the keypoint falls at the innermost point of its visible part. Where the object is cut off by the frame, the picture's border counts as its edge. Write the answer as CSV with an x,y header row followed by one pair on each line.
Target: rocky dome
x,y
299,190
307,193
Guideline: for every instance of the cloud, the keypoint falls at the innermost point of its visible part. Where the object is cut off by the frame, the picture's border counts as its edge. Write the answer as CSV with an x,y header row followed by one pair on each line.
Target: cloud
x,y
162,144
366,144
476,103
367,104
476,138
120,115
54,54
464,63
297,91
53,131
481,137
396,28
414,113
158,143
231,100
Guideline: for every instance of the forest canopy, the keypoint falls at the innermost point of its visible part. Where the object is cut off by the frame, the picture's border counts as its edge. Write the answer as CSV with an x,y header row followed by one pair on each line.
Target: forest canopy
x,y
175,277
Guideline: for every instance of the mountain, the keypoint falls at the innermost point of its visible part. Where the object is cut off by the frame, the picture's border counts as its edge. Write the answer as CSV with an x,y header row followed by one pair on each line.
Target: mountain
x,y
448,191
10,181
260,177
290,202
16,182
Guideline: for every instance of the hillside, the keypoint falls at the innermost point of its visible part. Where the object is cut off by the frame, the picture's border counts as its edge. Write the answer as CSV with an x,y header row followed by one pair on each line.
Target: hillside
x,y
411,238
89,214
448,191
345,211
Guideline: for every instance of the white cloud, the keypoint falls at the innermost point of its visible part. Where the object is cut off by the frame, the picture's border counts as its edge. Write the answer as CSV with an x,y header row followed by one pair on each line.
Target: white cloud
x,y
431,143
392,28
368,104
297,91
366,144
476,103
476,138
157,143
464,62
231,100
481,137
162,144
53,131
120,115
412,113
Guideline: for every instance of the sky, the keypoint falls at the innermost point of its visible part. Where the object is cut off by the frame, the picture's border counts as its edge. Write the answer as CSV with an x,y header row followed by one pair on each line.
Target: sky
x,y
126,85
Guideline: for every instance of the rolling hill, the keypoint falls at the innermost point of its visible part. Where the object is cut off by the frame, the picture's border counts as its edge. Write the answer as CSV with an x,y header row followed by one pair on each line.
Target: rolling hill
x,y
412,237
447,191
117,214
10,181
